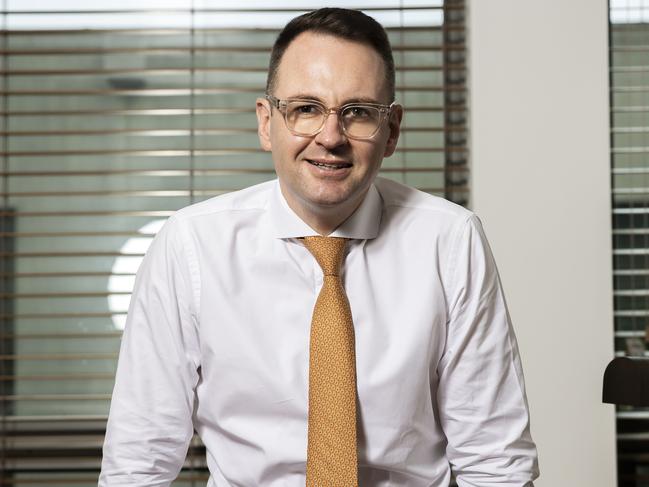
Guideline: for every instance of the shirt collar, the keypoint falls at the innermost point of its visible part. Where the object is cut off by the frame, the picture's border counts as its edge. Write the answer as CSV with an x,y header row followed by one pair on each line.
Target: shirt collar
x,y
362,224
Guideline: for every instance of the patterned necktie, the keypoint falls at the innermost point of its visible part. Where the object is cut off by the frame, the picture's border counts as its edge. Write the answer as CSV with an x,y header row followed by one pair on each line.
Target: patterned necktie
x,y
331,453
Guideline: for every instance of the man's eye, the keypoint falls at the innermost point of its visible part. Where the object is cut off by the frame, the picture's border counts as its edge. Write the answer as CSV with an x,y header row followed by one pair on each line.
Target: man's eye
x,y
358,112
306,109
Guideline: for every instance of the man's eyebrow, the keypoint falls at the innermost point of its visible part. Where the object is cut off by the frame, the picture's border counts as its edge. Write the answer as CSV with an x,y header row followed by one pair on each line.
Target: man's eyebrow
x,y
362,100
307,96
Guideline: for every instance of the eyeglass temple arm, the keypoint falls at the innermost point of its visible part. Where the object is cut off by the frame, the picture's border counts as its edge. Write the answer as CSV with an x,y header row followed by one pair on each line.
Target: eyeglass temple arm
x,y
274,102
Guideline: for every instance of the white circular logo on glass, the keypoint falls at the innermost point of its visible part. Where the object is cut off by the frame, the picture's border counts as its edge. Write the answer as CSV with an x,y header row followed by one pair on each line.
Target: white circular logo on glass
x,y
123,271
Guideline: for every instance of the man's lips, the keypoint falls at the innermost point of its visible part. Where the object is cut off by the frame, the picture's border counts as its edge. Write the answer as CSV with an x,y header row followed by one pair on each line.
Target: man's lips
x,y
331,165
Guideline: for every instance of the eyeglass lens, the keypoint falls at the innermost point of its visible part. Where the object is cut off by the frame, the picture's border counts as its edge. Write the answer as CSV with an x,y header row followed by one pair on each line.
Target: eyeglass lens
x,y
307,118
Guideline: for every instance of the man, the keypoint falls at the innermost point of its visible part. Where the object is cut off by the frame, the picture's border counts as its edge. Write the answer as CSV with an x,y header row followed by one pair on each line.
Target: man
x,y
391,363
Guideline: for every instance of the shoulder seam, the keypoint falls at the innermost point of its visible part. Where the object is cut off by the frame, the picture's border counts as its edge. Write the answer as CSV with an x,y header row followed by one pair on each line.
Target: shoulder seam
x,y
187,250
451,267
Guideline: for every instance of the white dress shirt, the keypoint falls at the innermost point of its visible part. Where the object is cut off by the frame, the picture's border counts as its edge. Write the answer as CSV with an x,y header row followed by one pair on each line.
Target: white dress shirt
x,y
217,340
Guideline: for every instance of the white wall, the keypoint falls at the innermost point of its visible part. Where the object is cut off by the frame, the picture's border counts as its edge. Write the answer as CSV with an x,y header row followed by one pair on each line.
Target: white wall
x,y
540,183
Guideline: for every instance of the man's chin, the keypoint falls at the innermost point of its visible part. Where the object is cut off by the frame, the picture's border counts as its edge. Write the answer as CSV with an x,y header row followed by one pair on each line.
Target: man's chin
x,y
330,201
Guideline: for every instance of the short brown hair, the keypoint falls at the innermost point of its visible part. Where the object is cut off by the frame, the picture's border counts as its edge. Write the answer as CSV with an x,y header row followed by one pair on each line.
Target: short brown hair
x,y
352,25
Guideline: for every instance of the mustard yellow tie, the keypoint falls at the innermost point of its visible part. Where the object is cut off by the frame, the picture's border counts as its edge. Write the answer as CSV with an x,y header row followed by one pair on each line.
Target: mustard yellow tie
x,y
331,452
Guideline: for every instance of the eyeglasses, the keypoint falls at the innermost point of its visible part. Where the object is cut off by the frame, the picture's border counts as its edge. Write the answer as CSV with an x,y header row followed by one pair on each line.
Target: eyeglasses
x,y
307,117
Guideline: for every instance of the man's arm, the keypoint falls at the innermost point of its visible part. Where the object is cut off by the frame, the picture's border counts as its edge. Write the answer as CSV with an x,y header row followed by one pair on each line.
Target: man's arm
x,y
150,421
481,394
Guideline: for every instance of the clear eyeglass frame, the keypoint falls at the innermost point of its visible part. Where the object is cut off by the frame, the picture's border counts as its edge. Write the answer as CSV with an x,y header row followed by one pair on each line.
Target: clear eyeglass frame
x,y
281,106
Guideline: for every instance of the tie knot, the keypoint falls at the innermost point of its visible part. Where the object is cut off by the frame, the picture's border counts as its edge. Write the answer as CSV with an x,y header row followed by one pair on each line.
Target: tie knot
x,y
328,252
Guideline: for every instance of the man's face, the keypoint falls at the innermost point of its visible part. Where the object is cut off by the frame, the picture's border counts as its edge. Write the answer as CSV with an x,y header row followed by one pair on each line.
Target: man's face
x,y
334,71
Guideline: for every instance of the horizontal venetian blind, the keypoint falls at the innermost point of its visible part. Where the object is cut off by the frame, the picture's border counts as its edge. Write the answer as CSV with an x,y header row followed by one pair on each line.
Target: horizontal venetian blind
x,y
113,117
629,75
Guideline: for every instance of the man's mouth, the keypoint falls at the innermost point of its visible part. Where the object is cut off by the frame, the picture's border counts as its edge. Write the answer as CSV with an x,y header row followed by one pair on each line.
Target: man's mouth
x,y
331,166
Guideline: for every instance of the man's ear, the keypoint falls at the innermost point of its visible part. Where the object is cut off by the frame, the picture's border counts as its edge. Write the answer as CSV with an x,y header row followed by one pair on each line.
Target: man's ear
x,y
263,123
394,126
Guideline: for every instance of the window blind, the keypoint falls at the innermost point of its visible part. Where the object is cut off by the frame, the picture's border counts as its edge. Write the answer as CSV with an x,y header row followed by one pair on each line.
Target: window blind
x,y
116,114
629,97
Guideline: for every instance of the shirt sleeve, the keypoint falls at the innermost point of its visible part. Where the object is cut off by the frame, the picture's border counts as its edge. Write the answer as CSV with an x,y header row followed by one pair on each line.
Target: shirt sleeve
x,y
481,394
150,422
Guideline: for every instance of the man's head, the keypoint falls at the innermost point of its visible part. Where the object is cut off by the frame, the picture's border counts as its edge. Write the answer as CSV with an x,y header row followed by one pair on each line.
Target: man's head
x,y
351,25
325,172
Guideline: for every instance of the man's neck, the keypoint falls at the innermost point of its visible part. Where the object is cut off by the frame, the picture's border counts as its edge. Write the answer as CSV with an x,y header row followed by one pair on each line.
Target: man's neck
x,y
324,219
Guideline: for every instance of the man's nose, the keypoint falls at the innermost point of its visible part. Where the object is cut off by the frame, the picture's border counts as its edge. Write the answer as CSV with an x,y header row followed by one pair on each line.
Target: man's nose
x,y
331,134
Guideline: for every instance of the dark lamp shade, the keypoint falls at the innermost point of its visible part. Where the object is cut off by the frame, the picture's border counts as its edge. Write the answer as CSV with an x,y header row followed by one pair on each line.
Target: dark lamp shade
x,y
626,381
